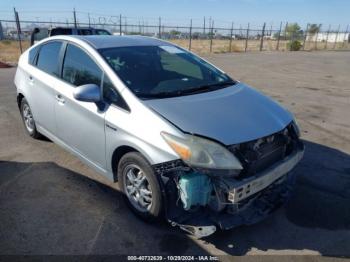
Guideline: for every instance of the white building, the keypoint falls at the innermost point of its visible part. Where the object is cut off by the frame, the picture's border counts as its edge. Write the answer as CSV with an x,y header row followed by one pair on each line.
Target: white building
x,y
331,38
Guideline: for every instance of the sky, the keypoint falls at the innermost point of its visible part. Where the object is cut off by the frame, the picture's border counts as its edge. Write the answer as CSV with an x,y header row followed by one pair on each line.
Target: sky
x,y
179,12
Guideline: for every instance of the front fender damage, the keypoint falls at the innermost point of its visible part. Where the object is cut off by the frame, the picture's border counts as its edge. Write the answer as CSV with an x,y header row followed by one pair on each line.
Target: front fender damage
x,y
200,203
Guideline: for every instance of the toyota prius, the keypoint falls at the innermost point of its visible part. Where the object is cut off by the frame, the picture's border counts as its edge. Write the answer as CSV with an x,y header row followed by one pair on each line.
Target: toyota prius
x,y
185,141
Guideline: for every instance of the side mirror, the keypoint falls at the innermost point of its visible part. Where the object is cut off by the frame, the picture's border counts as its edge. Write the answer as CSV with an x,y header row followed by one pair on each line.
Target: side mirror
x,y
87,93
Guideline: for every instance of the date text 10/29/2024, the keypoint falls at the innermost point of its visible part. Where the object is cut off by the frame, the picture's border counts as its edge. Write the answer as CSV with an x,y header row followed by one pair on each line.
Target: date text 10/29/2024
x,y
173,258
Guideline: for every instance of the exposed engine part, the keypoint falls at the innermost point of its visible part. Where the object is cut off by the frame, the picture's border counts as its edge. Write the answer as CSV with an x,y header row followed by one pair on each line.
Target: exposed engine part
x,y
196,231
217,199
257,155
194,189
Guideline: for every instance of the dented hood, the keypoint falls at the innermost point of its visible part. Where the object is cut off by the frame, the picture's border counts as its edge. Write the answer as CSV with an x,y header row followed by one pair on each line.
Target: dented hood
x,y
230,115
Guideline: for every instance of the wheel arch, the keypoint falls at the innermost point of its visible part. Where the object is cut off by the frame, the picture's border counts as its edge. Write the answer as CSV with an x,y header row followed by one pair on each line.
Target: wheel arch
x,y
118,153
20,96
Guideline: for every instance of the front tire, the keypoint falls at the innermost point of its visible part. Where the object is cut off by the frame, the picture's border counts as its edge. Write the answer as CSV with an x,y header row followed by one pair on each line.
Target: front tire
x,y
140,186
28,119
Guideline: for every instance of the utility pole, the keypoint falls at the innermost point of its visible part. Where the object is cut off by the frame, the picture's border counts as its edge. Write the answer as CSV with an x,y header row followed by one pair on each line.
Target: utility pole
x,y
89,19
160,28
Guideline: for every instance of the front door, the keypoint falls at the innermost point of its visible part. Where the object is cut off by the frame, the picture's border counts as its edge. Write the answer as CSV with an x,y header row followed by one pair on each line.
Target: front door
x,y
80,125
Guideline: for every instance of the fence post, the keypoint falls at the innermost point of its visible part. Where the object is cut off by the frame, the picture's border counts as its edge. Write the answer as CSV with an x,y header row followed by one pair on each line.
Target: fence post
x,y
246,39
231,34
19,31
305,35
329,29
204,26
319,27
262,37
75,18
211,36
285,32
120,24
336,38
346,31
279,37
1,32
189,46
160,28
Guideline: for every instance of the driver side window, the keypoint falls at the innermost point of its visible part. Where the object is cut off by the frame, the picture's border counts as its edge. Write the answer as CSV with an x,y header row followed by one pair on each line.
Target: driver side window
x,y
79,68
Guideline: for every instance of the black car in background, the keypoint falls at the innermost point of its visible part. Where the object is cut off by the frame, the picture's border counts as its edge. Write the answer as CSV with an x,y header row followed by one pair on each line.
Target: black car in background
x,y
41,33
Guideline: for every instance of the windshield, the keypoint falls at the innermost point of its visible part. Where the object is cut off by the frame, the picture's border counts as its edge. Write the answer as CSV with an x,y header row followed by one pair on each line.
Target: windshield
x,y
163,71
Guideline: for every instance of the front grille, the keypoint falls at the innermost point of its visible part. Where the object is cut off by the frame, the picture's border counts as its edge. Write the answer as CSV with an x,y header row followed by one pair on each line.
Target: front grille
x,y
260,154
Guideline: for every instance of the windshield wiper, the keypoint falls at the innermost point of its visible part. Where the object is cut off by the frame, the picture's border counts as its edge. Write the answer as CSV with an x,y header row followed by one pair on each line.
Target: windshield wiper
x,y
209,87
199,89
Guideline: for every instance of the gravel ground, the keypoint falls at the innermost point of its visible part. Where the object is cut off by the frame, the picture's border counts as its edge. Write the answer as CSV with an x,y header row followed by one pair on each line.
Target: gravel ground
x,y
51,203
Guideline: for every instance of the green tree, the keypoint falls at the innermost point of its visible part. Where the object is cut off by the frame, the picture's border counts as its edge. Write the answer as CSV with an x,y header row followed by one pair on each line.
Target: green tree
x,y
314,28
294,31
175,32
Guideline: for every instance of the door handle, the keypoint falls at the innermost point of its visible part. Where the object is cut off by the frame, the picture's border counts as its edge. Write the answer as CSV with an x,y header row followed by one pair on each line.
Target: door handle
x,y
31,79
60,99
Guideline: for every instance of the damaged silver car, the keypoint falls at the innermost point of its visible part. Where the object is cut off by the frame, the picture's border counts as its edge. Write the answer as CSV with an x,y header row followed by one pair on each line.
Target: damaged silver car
x,y
184,140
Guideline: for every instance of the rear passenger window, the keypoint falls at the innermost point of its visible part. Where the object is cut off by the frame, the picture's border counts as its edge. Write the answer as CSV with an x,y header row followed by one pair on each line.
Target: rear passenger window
x,y
79,68
48,59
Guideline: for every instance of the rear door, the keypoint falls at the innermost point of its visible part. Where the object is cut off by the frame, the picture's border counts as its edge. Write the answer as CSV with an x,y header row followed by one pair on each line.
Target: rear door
x,y
80,125
42,79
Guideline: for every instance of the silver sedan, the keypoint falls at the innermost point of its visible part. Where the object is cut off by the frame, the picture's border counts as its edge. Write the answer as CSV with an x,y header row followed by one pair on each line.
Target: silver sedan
x,y
184,140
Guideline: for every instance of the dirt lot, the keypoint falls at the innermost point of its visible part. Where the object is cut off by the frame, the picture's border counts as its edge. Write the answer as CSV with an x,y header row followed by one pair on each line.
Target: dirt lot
x,y
50,202
9,50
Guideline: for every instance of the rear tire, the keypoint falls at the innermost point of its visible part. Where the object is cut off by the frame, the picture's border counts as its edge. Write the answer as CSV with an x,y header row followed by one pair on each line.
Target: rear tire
x,y
28,119
140,186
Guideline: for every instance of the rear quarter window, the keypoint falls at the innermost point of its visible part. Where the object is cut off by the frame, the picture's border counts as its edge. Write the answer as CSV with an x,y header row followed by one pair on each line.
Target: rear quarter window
x,y
32,55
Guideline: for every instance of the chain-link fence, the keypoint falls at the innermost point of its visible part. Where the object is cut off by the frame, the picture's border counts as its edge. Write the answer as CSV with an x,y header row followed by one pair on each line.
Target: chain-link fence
x,y
208,38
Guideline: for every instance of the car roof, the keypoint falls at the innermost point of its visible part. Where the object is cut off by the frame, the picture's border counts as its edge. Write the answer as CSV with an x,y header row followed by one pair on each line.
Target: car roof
x,y
109,41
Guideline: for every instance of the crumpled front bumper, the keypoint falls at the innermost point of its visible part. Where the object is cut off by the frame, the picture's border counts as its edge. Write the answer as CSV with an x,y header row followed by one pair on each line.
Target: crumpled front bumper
x,y
249,210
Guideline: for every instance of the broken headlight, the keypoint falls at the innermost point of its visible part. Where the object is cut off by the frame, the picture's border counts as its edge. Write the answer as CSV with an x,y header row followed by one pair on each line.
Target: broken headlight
x,y
202,153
